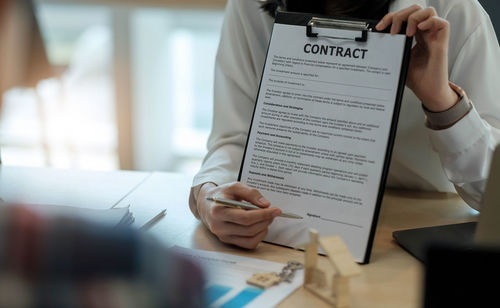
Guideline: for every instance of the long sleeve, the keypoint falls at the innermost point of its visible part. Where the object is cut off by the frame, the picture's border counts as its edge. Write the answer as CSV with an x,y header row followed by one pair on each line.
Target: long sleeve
x,y
239,63
465,149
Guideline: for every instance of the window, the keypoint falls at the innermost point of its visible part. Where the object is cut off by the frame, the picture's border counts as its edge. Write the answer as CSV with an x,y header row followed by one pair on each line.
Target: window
x,y
173,56
71,121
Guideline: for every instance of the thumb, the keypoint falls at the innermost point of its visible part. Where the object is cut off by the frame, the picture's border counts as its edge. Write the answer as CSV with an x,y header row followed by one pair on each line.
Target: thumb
x,y
252,195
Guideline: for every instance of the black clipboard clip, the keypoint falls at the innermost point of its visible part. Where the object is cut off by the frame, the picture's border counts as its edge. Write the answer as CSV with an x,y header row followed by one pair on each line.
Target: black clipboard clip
x,y
353,25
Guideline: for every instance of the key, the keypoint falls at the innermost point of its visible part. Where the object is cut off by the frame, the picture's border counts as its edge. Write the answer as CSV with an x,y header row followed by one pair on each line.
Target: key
x,y
266,280
289,270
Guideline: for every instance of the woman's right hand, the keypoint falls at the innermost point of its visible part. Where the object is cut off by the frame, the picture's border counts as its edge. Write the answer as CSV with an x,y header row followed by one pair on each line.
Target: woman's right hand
x,y
235,226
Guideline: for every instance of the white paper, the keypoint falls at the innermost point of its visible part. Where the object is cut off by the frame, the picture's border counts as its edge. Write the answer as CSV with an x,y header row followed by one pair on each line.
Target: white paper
x,y
320,132
78,188
113,217
226,279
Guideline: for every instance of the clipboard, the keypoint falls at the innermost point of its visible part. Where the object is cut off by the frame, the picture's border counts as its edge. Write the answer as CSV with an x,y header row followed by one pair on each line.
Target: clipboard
x,y
269,156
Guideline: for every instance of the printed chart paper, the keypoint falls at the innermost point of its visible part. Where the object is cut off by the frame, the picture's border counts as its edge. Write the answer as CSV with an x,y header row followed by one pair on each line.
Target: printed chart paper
x,y
320,132
226,286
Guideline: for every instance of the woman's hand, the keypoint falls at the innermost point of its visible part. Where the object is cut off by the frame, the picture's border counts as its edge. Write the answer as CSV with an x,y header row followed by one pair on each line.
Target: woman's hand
x,y
428,72
235,226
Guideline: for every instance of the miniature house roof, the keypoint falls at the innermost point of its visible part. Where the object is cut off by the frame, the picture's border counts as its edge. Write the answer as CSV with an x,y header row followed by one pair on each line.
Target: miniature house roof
x,y
339,256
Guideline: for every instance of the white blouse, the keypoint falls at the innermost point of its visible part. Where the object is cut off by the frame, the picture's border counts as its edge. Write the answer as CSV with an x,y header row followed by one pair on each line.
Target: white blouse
x,y
449,160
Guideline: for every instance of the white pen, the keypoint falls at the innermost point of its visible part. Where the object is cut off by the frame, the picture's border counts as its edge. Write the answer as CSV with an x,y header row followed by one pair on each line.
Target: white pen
x,y
153,221
248,206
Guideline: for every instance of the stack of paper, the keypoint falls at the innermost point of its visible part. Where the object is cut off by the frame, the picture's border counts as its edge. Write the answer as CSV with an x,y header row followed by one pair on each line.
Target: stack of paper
x,y
114,216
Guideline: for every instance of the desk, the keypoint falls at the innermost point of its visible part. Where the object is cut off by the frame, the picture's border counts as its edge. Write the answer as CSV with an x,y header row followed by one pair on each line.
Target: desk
x,y
392,279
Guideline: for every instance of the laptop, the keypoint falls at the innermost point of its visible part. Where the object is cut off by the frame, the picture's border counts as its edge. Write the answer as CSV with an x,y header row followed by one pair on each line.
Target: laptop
x,y
486,232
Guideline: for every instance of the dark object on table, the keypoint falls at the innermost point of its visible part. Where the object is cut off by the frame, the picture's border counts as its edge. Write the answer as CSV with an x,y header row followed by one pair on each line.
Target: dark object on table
x,y
416,241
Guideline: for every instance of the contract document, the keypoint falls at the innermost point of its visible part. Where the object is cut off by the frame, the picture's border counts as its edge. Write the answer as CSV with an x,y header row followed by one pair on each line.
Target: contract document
x,y
323,127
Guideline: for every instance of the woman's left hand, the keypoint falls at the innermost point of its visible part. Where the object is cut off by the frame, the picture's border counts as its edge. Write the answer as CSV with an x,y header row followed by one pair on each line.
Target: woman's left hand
x,y
428,71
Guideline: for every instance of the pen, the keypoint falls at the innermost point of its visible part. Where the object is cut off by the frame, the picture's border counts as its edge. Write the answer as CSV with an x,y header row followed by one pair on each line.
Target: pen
x,y
153,221
248,206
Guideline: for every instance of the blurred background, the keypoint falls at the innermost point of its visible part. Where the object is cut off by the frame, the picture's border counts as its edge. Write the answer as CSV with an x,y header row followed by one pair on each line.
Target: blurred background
x,y
132,90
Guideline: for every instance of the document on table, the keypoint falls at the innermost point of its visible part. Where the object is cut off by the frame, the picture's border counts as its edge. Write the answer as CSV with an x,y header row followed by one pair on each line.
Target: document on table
x,y
226,279
113,217
118,216
323,129
78,188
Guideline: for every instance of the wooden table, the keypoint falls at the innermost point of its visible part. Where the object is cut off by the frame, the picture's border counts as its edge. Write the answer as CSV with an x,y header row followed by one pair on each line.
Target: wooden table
x,y
392,279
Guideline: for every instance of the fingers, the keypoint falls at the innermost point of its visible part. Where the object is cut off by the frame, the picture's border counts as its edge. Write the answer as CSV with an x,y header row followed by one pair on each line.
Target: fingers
x,y
401,17
244,228
246,236
434,23
243,217
415,19
415,16
240,191
244,242
245,231
396,19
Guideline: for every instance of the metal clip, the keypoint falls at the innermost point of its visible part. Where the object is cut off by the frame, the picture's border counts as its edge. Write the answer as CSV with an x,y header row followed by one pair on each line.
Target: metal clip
x,y
353,25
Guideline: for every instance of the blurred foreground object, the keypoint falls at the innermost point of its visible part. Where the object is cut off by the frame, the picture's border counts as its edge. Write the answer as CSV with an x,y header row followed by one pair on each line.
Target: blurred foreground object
x,y
23,60
459,275
69,263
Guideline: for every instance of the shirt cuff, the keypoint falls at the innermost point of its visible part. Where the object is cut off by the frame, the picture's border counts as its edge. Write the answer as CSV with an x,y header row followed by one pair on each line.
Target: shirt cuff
x,y
459,137
193,198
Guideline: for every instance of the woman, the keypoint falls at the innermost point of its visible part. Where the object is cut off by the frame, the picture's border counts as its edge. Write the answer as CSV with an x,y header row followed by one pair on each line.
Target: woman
x,y
444,141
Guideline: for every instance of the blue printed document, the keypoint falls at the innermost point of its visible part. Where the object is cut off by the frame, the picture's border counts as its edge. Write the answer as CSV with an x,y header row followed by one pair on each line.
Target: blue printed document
x,y
226,285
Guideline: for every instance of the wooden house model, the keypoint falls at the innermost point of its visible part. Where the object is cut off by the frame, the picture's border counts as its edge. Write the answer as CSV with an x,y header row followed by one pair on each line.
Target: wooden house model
x,y
335,290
